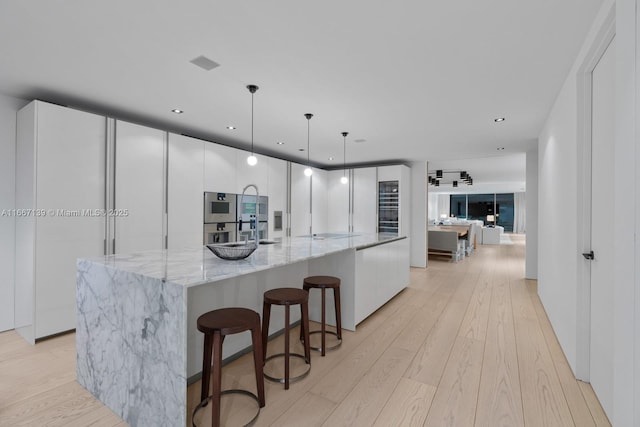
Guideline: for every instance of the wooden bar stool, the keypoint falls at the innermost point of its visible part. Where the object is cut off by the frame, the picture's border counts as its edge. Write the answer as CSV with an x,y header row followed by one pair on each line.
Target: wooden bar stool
x,y
322,283
286,297
216,325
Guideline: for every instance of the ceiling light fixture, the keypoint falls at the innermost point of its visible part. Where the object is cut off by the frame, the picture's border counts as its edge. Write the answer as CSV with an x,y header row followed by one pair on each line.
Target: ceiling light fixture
x,y
280,143
252,160
177,111
231,127
308,171
499,119
437,178
344,178
500,148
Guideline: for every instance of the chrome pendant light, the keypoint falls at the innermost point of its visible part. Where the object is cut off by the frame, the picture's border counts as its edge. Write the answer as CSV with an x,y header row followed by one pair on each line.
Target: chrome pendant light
x,y
344,178
308,171
252,160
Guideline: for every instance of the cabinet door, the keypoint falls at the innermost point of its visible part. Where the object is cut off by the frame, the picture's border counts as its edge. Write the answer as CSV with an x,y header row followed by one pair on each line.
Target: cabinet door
x,y
139,187
256,174
70,180
277,192
185,192
337,202
300,201
365,196
219,168
319,201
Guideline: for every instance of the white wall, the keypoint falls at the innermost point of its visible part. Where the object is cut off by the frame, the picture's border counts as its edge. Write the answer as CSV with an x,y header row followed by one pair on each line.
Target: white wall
x,y
626,394
418,214
531,257
8,108
559,243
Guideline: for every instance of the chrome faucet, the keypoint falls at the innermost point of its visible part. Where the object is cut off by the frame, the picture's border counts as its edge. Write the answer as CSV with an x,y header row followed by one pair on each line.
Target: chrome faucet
x,y
254,230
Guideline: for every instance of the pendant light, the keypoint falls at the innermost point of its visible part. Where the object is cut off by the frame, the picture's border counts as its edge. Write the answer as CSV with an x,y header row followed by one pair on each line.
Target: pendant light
x,y
308,171
344,178
252,160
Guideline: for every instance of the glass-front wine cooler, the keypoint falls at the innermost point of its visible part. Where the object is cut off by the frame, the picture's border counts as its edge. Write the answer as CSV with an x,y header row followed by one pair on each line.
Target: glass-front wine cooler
x,y
388,205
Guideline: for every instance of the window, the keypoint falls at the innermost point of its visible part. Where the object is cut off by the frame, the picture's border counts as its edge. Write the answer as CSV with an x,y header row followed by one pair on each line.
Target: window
x,y
479,206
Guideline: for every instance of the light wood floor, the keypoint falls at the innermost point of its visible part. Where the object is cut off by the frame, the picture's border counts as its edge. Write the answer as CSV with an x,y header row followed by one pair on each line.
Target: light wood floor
x,y
466,344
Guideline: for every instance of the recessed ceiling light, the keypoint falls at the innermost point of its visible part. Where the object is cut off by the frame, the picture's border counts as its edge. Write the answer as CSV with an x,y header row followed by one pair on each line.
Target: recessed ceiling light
x,y
231,127
330,158
360,140
177,111
300,149
280,143
499,119
500,148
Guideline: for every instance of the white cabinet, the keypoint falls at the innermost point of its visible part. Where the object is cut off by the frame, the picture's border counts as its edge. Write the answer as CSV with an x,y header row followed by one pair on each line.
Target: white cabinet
x,y
338,201
60,173
352,206
256,174
381,272
219,168
364,196
300,201
139,187
319,208
185,191
277,192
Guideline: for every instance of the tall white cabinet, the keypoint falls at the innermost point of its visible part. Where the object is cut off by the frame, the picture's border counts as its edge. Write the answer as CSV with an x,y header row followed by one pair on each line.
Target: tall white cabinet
x,y
185,189
351,207
140,188
277,192
319,197
300,201
60,192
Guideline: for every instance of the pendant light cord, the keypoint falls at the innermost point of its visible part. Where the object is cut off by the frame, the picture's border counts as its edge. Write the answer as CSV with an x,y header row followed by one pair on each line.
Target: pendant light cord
x,y
252,123
344,154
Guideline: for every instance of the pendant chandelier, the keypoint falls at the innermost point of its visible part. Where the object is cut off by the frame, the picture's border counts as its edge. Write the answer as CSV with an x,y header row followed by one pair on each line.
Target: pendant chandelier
x,y
344,178
252,160
308,171
437,178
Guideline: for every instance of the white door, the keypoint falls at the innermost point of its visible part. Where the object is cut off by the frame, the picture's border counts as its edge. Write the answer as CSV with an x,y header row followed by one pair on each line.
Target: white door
x,y
602,213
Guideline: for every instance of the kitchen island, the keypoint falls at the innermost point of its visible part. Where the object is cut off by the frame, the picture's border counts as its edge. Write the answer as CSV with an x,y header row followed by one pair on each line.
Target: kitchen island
x,y
136,338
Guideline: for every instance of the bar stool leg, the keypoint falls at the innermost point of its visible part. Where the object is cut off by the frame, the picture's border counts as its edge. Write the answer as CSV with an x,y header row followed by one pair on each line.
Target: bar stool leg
x,y
258,361
266,314
305,325
206,366
286,346
336,300
323,328
217,379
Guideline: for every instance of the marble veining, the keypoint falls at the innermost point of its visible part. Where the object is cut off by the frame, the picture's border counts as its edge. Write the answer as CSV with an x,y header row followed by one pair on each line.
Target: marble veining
x,y
126,334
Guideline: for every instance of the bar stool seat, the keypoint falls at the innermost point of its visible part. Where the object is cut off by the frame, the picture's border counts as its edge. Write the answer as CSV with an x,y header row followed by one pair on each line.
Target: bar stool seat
x,y
323,283
216,325
286,297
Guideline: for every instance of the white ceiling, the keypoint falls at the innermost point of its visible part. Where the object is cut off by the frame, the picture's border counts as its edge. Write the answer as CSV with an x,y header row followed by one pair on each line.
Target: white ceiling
x,y
418,80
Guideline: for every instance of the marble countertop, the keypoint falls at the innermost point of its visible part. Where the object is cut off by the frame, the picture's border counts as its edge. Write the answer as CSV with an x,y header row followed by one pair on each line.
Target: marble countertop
x,y
196,266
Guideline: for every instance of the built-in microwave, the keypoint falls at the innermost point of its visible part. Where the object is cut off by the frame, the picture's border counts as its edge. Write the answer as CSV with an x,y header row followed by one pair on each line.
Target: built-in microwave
x,y
219,207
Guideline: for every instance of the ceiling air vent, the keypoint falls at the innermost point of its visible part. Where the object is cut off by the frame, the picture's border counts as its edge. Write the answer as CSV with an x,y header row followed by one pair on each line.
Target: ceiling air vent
x,y
204,63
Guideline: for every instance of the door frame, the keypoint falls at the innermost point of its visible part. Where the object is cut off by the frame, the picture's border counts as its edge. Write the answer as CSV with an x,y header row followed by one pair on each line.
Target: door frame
x,y
584,80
